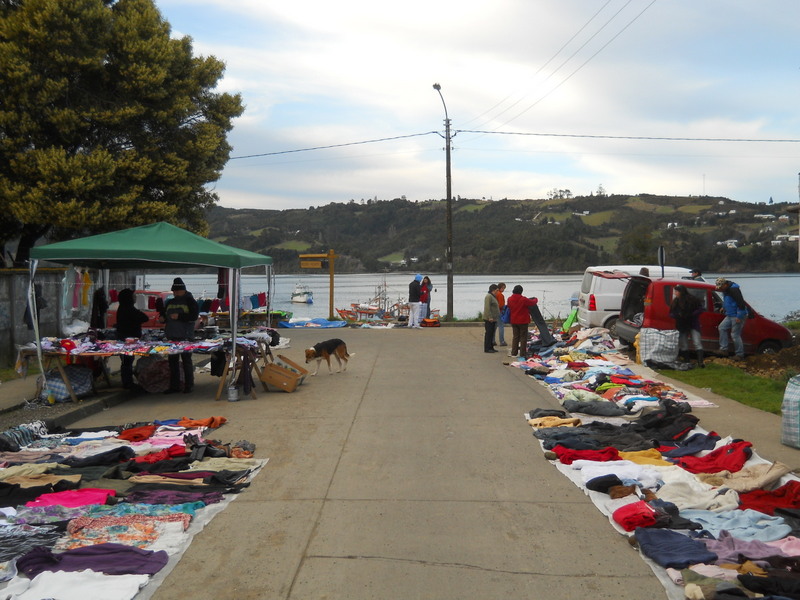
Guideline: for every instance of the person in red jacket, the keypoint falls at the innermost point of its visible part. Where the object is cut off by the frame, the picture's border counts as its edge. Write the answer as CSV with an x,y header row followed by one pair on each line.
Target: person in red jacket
x,y
520,318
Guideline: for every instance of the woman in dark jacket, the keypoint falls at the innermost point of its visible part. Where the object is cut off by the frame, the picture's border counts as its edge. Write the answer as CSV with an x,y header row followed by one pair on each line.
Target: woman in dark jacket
x,y
686,310
129,325
180,317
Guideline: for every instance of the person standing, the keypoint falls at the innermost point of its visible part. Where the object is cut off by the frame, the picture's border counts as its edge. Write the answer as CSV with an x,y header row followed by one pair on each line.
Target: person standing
x,y
180,315
697,275
413,302
520,318
425,288
129,325
491,314
686,310
501,301
735,311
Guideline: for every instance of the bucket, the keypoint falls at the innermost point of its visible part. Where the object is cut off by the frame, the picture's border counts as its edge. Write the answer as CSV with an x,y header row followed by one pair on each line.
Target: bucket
x,y
233,394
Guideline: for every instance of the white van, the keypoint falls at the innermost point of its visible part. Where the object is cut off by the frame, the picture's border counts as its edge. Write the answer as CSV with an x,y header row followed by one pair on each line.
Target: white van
x,y
600,298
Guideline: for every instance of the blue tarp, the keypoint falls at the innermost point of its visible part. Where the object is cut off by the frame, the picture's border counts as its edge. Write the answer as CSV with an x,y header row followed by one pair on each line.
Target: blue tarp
x,y
316,323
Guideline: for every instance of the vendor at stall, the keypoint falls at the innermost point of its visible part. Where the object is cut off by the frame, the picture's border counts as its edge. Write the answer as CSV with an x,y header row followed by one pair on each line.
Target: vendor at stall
x,y
180,316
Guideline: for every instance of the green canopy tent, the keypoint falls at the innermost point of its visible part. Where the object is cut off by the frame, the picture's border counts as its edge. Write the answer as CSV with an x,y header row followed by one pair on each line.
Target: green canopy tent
x,y
156,246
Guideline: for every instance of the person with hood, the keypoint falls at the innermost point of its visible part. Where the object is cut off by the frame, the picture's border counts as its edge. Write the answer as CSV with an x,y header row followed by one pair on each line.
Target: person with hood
x,y
735,311
491,315
425,288
180,315
414,290
686,310
519,318
129,325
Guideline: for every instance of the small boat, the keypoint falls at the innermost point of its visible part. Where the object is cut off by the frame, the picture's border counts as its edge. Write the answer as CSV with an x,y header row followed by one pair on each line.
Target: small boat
x,y
302,294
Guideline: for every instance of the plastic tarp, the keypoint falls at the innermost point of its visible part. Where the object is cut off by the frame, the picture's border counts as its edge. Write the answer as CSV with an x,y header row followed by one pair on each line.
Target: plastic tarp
x,y
318,323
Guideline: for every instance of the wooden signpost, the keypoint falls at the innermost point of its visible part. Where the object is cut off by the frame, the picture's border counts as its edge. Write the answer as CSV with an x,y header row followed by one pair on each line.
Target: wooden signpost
x,y
317,261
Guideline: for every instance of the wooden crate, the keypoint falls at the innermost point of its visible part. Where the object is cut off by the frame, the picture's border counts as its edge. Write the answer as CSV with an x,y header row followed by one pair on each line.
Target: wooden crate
x,y
280,377
289,364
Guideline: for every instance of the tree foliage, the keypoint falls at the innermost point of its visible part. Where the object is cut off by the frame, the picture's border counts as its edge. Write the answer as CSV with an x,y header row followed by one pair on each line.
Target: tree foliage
x,y
106,121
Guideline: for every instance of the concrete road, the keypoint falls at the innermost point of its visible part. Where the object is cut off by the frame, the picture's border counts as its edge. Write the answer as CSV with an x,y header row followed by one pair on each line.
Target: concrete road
x,y
412,475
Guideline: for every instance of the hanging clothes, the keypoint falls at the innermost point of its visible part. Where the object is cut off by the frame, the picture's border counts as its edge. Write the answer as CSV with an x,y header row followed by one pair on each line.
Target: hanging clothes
x,y
87,285
222,283
76,290
99,308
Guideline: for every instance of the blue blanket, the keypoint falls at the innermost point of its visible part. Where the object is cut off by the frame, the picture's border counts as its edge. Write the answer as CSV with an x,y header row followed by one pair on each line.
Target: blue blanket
x,y
316,323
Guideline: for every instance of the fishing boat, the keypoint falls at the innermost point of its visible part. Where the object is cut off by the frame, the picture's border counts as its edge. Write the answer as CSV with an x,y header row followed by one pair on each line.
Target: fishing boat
x,y
380,307
302,294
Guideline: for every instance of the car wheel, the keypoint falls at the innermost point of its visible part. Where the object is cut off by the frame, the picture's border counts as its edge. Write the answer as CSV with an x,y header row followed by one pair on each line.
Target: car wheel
x,y
611,325
769,347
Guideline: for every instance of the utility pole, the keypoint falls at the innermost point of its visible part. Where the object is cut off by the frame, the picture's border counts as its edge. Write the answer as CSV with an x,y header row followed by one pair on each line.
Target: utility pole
x,y
449,247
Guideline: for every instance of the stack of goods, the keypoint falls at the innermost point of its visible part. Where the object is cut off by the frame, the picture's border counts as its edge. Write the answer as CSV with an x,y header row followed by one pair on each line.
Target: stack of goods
x,y
711,517
95,513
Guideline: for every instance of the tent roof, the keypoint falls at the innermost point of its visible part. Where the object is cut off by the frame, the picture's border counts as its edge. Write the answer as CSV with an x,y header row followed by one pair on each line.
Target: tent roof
x,y
156,246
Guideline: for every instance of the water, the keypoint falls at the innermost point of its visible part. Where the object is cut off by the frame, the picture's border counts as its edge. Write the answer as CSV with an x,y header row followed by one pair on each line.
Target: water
x,y
773,295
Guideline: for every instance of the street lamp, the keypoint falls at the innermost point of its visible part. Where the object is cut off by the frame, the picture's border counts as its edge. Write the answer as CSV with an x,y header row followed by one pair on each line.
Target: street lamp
x,y
448,253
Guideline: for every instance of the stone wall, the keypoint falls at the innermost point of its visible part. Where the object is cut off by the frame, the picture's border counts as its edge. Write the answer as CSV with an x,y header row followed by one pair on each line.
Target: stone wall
x,y
14,301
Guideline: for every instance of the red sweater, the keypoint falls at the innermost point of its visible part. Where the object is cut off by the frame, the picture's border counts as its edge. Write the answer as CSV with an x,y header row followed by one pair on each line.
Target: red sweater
x,y
518,305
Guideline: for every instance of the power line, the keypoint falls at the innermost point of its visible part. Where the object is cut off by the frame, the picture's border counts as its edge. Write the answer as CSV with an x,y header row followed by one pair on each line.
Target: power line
x,y
568,77
386,139
532,134
540,69
633,137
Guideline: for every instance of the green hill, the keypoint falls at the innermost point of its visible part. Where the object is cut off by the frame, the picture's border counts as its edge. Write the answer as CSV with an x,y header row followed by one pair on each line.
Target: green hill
x,y
520,236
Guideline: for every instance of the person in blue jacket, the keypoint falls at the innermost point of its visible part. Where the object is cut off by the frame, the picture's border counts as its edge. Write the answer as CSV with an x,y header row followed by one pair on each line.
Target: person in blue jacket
x,y
735,311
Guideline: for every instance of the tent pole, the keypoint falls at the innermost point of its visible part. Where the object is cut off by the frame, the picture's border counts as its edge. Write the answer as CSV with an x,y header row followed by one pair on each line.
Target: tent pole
x,y
233,304
34,310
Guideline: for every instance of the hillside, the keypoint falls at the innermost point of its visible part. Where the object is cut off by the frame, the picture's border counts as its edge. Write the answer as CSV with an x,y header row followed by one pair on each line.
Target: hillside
x,y
520,236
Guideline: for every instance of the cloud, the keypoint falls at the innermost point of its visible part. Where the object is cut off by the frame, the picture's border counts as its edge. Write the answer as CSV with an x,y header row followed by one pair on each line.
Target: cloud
x,y
317,73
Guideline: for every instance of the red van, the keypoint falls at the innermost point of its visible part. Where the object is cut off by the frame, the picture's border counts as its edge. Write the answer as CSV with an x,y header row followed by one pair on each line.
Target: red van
x,y
646,302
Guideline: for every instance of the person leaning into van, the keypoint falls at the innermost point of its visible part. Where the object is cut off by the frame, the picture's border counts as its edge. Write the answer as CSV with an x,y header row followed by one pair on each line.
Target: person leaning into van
x,y
520,318
735,310
686,310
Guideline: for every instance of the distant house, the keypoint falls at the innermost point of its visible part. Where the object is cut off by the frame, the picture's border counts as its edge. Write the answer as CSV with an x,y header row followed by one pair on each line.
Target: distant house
x,y
766,217
729,243
776,242
784,218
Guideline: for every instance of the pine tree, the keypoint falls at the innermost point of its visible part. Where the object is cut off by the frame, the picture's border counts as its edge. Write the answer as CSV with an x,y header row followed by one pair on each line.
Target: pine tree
x,y
106,122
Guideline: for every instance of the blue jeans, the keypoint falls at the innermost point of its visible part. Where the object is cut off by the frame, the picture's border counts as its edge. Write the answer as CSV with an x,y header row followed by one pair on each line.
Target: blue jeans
x,y
732,326
501,331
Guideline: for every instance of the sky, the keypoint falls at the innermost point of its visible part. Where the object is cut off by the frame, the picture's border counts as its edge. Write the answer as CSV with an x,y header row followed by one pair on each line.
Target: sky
x,y
542,95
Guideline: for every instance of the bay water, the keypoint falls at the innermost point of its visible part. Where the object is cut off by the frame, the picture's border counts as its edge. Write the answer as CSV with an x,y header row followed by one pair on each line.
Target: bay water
x,y
774,295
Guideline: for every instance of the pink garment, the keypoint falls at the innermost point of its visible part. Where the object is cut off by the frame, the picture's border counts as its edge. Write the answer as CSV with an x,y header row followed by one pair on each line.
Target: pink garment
x,y
789,545
76,290
73,498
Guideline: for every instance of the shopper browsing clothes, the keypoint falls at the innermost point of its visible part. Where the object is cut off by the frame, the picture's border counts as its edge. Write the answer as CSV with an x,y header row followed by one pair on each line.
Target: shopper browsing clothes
x,y
129,325
414,289
180,315
491,315
735,311
520,317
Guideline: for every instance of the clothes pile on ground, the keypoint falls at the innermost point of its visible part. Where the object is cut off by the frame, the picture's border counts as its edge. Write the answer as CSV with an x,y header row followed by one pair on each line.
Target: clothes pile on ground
x,y
102,512
711,517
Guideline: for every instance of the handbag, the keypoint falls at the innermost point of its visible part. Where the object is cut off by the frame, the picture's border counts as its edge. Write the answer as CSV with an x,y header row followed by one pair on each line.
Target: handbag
x,y
505,314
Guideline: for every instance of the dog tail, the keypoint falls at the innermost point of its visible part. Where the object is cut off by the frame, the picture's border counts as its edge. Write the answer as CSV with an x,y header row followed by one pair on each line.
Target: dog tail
x,y
349,354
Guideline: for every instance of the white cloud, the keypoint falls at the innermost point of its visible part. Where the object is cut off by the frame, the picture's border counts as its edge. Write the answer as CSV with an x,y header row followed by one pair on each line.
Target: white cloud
x,y
315,73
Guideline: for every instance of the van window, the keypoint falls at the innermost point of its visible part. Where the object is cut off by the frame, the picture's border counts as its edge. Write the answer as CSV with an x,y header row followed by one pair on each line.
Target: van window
x,y
701,296
586,282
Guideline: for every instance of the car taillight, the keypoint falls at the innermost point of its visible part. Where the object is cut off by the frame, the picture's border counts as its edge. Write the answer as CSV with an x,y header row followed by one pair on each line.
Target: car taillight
x,y
592,302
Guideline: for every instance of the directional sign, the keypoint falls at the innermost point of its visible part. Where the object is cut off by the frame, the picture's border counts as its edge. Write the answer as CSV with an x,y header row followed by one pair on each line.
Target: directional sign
x,y
310,264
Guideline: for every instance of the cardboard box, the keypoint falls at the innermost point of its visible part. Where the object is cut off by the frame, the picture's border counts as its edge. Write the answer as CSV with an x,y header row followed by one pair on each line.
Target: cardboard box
x,y
279,377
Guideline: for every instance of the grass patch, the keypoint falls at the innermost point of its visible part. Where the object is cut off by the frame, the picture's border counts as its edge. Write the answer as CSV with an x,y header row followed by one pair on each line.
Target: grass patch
x,y
395,257
731,382
293,245
10,373
598,218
